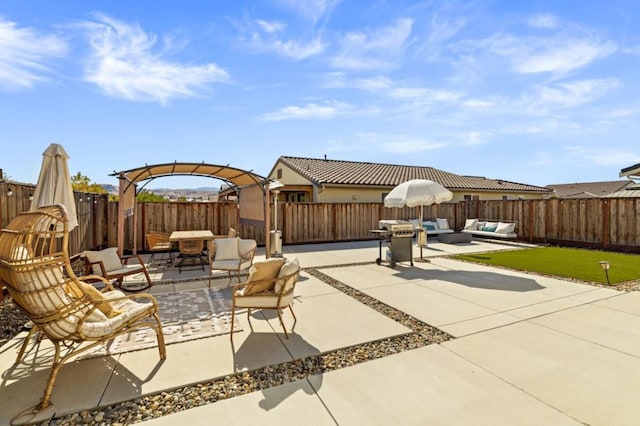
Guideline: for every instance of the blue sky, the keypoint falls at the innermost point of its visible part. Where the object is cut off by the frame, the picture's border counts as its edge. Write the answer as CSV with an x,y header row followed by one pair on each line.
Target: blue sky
x,y
538,92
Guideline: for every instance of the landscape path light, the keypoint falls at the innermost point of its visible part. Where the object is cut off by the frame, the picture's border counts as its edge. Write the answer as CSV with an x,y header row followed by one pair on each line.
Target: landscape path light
x,y
605,265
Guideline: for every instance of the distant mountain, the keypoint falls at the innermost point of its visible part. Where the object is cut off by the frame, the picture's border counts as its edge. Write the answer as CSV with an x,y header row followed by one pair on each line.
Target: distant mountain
x,y
200,193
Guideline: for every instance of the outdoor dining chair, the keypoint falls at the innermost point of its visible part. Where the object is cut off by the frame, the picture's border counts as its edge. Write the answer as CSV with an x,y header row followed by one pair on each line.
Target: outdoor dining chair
x,y
36,268
158,242
191,249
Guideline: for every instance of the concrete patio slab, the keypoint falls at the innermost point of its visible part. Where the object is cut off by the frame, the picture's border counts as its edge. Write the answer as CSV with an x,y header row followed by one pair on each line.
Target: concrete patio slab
x,y
428,386
598,324
334,321
588,382
630,303
530,350
291,403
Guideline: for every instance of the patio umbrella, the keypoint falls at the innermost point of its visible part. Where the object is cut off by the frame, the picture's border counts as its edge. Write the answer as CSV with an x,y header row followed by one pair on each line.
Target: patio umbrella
x,y
417,192
54,183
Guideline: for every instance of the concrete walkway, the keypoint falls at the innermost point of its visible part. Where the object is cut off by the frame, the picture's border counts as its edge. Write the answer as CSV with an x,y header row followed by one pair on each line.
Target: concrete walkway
x,y
527,349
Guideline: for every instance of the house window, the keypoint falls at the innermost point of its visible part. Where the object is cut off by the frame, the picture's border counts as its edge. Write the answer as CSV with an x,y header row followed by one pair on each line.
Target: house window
x,y
505,197
384,194
296,197
470,197
279,173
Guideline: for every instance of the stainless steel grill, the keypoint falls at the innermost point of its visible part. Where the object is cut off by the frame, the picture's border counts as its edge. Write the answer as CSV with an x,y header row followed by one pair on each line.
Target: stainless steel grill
x,y
398,237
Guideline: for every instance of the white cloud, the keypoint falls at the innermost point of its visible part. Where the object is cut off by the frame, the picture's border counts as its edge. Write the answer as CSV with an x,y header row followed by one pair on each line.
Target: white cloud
x,y
601,155
25,55
327,110
542,159
405,144
425,94
442,30
478,104
571,94
558,54
561,56
270,26
124,65
382,48
543,21
312,9
264,37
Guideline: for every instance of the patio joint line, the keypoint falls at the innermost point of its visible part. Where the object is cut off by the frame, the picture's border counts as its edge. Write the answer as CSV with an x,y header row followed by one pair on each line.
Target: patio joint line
x,y
207,392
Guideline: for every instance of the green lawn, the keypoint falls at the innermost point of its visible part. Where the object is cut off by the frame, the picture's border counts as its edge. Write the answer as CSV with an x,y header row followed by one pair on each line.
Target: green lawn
x,y
565,262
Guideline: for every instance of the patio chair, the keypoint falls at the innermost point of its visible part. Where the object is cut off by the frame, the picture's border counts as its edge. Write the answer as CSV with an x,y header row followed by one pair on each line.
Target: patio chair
x,y
270,285
107,264
158,242
232,255
35,267
191,249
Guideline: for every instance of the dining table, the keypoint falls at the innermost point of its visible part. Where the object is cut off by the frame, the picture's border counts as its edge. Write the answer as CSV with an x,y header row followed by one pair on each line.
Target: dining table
x,y
201,235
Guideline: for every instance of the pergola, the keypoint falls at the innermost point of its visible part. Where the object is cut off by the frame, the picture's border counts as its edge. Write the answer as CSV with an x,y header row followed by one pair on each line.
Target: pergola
x,y
254,197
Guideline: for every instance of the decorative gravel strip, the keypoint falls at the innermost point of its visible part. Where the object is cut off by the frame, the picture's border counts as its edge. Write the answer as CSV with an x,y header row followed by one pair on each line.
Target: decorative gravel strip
x,y
184,398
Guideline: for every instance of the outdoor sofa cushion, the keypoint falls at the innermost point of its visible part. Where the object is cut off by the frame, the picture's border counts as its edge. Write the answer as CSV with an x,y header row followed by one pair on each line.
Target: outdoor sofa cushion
x,y
227,248
109,257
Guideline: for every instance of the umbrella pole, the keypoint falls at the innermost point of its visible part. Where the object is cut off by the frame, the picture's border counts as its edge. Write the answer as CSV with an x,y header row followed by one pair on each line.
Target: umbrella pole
x,y
421,230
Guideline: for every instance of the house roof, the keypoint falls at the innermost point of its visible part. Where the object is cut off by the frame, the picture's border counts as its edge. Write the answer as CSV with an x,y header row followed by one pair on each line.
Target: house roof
x,y
631,171
338,172
630,191
588,189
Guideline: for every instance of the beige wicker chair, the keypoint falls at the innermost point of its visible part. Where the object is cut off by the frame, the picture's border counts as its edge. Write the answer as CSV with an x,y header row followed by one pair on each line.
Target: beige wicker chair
x,y
35,267
232,255
270,286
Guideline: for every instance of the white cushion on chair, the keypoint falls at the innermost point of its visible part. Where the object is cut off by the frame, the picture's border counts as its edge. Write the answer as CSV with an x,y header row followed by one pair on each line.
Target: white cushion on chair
x,y
227,249
109,258
226,265
265,299
288,268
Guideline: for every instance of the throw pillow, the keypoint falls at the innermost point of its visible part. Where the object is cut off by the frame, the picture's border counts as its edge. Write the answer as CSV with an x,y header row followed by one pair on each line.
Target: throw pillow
x,y
505,228
489,228
109,258
481,225
442,223
259,271
227,248
288,268
471,224
81,288
432,226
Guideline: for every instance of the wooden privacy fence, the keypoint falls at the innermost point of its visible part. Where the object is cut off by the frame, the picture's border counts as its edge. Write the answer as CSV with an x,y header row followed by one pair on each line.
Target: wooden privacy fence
x,y
604,223
92,209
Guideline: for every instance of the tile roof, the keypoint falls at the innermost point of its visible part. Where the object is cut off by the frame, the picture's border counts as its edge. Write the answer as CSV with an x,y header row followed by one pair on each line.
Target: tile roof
x,y
338,172
588,189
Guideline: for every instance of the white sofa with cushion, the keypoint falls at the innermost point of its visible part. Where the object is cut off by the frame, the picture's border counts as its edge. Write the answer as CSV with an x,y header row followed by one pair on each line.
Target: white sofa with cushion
x,y
436,226
486,228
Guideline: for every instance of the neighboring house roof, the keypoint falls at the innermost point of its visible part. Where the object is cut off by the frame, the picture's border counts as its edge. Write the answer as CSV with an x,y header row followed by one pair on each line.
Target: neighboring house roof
x,y
338,172
627,192
631,171
588,189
